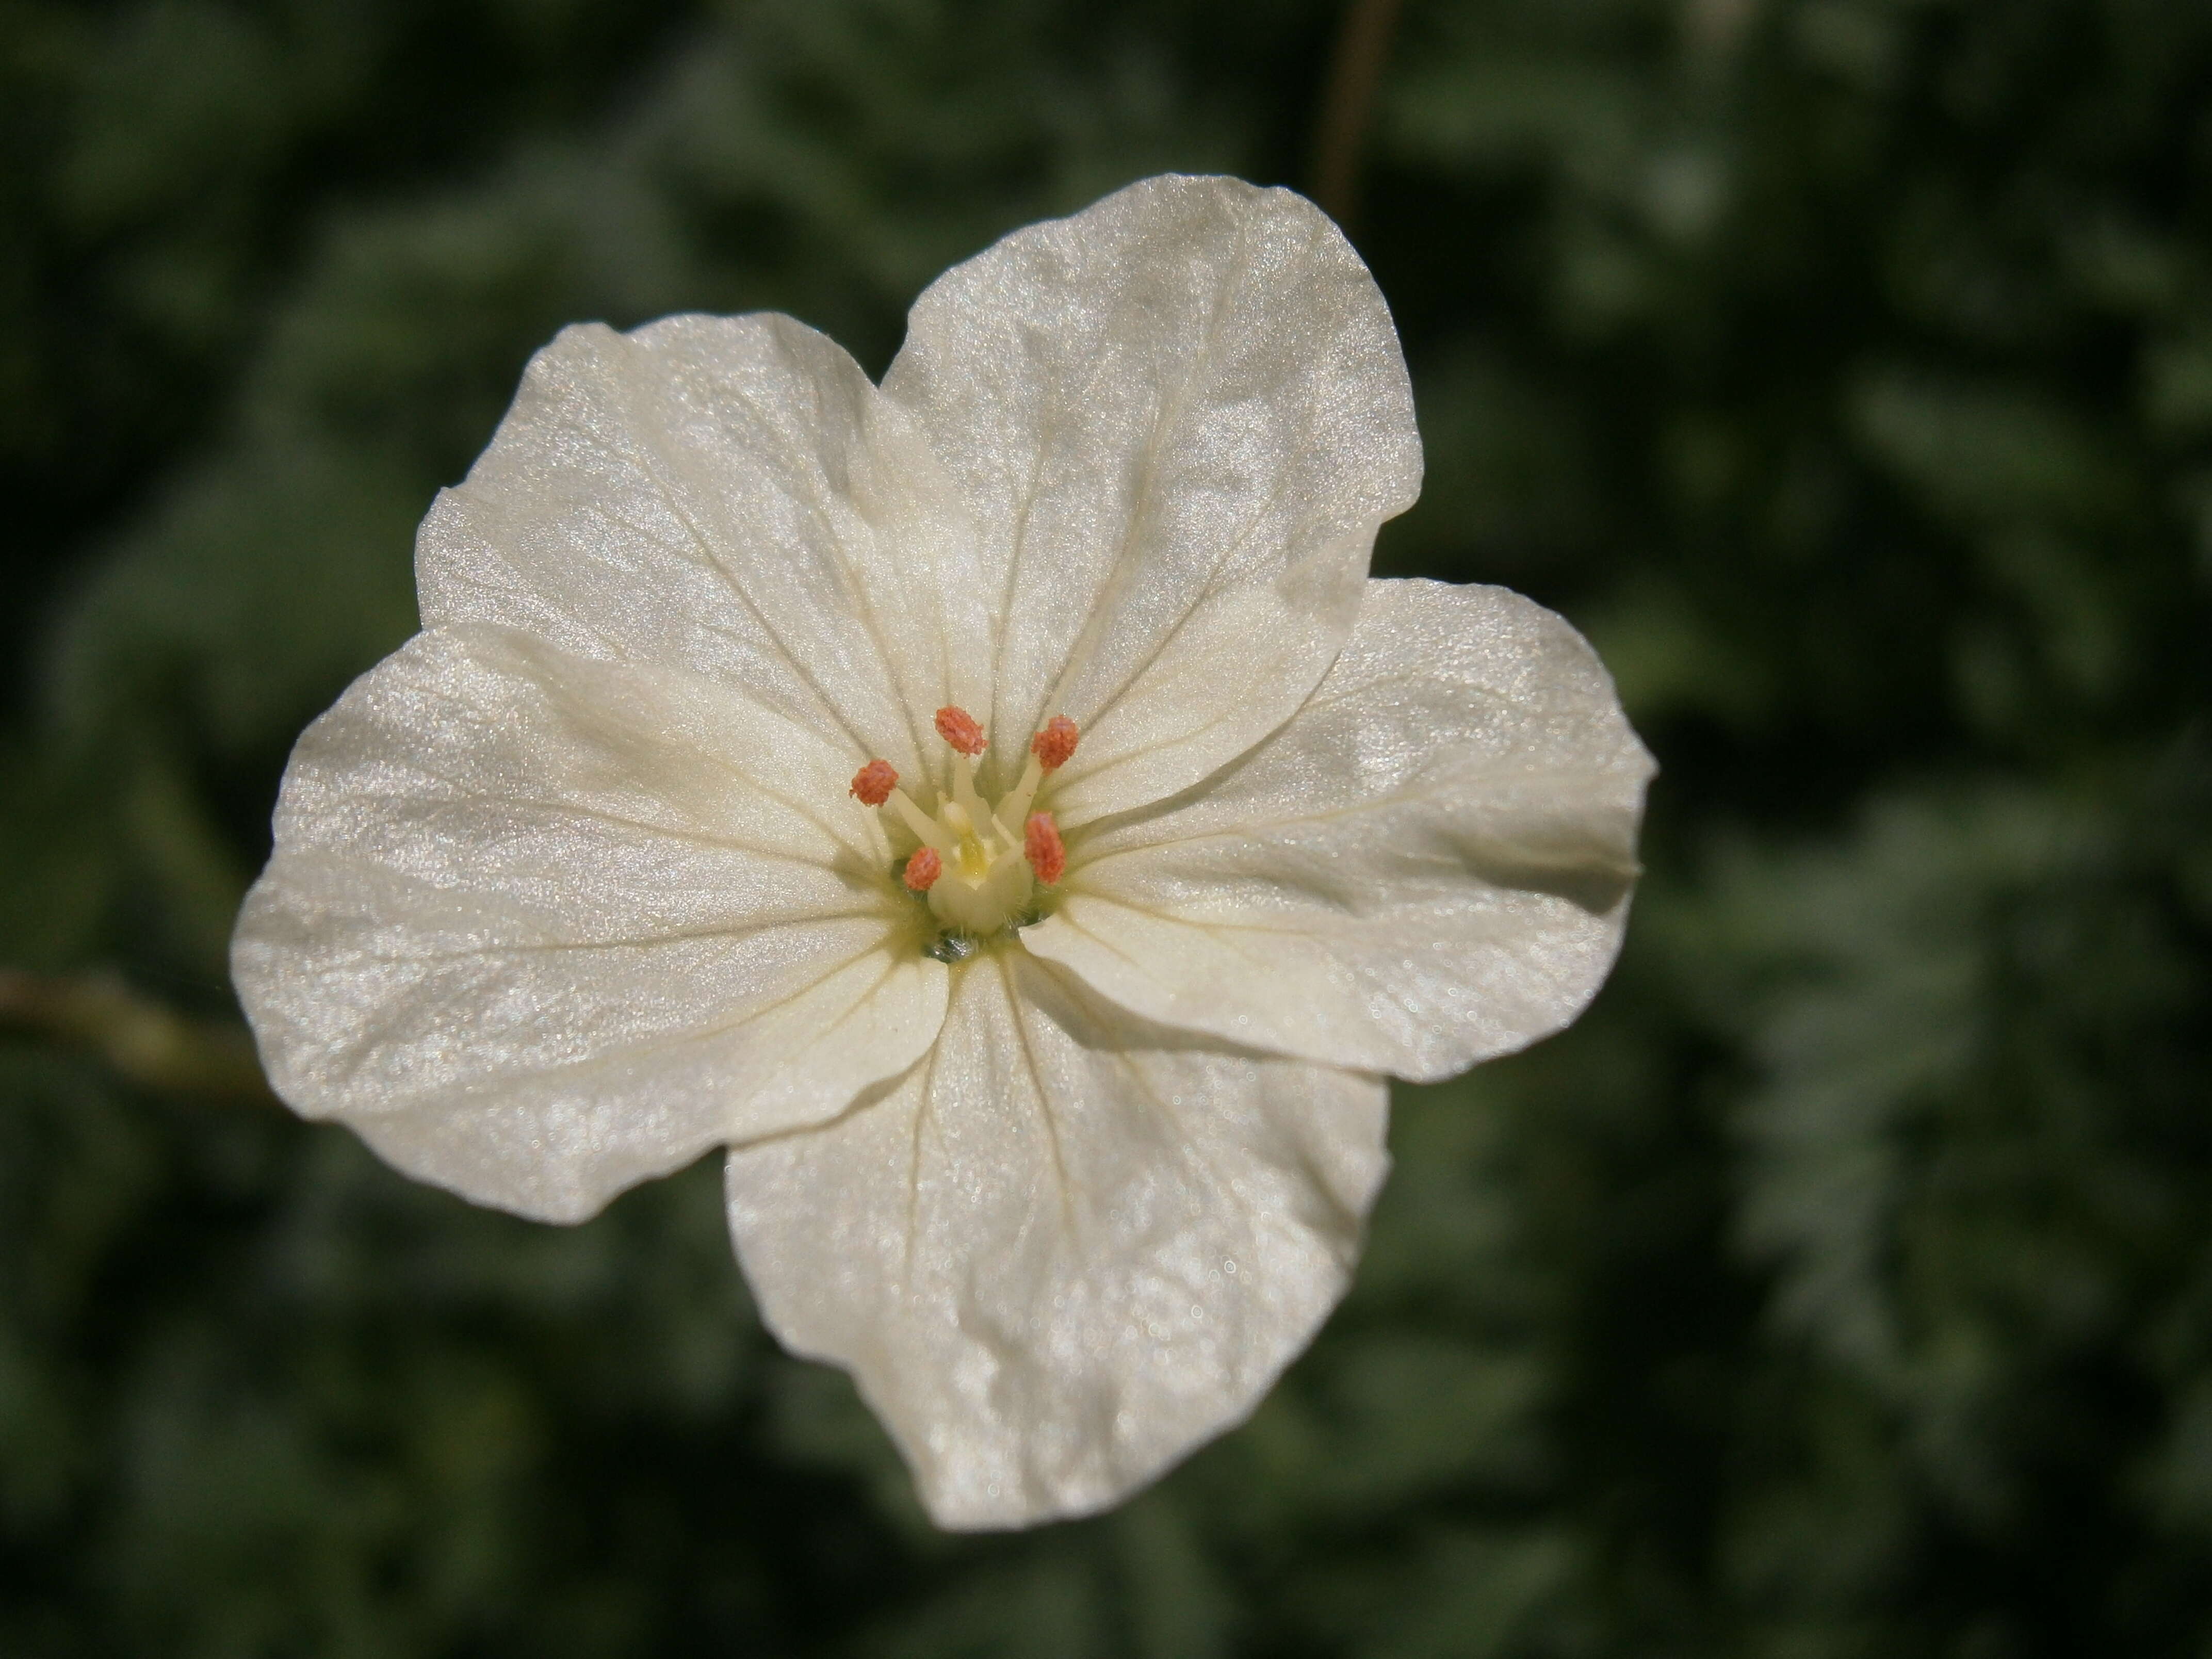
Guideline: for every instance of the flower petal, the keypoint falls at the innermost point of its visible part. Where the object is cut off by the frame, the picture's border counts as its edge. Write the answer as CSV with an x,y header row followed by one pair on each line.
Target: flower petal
x,y
1428,866
539,927
1177,418
728,495
1065,1249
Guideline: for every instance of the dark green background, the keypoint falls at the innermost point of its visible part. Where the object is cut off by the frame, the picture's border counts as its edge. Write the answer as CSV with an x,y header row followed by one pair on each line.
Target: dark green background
x,y
1840,1286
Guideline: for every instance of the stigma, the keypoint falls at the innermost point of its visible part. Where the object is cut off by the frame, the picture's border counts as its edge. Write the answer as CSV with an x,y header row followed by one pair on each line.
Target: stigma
x,y
979,863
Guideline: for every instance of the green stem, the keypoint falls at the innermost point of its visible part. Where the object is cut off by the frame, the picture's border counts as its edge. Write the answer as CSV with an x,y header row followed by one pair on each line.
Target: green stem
x,y
142,1040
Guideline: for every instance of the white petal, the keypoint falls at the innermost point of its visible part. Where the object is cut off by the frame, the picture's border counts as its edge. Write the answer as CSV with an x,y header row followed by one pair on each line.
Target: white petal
x,y
1177,419
1428,866
1066,1247
729,496
539,927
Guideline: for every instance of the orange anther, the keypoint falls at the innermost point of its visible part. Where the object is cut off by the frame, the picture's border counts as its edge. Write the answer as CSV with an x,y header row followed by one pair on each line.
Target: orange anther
x,y
1042,847
923,869
874,783
958,727
1053,745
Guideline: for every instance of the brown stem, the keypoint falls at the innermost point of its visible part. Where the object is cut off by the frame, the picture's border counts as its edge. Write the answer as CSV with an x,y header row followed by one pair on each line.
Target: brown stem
x,y
1363,46
142,1040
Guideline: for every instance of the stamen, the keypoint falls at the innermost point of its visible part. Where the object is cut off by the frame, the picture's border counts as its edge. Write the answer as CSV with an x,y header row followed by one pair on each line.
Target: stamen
x,y
926,830
963,788
1015,804
979,865
958,727
1042,847
874,783
1049,752
1056,744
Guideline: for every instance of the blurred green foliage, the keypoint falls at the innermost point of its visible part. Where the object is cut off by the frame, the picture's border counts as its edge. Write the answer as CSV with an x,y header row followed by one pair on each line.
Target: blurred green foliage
x,y
1841,1286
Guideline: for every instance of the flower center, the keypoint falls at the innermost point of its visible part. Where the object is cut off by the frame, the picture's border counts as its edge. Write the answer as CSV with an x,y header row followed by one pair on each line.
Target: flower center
x,y
979,862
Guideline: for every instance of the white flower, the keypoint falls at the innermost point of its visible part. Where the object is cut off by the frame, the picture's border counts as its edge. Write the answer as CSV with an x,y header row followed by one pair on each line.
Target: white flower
x,y
583,881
